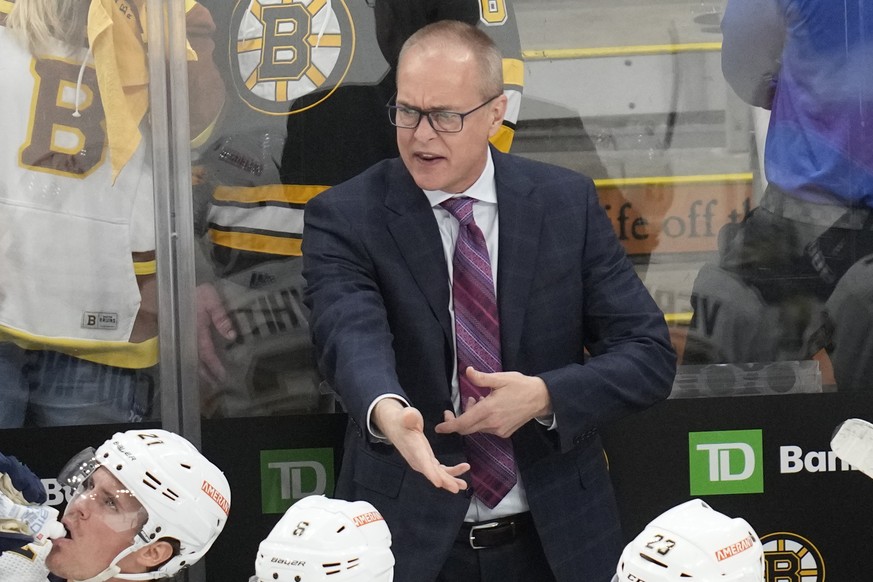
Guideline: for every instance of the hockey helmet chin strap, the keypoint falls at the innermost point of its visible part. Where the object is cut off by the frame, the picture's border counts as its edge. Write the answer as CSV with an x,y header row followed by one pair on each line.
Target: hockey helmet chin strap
x,y
114,571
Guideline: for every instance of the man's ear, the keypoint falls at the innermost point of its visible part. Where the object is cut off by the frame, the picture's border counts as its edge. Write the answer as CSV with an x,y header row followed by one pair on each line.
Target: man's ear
x,y
154,554
497,110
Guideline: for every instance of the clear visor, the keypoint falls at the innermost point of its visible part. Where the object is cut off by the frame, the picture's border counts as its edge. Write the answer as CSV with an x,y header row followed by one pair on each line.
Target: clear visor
x,y
98,494
79,468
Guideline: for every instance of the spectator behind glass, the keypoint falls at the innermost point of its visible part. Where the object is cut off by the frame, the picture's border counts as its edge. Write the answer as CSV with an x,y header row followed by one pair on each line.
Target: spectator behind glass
x,y
78,314
792,278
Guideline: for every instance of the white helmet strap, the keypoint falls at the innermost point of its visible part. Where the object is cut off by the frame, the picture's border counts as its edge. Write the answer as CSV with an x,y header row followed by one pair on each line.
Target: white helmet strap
x,y
114,571
106,574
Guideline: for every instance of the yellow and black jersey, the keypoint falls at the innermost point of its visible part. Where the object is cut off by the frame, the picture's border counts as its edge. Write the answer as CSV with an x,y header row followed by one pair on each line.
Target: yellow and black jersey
x,y
310,81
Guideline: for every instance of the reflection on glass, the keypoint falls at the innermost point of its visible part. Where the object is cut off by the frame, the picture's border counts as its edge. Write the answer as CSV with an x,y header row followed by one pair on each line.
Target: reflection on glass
x,y
307,111
793,281
750,269
78,313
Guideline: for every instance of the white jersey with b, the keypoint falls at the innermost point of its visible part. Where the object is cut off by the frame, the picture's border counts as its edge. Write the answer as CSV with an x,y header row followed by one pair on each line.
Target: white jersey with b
x,y
67,233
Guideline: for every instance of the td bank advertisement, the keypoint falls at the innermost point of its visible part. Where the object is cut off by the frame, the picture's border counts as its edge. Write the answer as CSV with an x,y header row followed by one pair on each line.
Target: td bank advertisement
x,y
732,462
766,459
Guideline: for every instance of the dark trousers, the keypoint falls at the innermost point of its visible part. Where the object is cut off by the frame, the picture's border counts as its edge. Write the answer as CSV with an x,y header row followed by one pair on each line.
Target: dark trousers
x,y
521,560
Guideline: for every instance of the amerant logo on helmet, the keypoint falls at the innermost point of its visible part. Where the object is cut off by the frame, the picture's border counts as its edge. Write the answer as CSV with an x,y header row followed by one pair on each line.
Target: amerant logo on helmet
x,y
366,518
734,549
216,496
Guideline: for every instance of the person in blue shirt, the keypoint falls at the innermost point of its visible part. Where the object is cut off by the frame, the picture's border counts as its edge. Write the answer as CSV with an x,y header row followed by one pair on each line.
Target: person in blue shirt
x,y
790,279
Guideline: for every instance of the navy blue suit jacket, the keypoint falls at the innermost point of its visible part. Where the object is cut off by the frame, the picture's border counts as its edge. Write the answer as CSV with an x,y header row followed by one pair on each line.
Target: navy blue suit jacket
x,y
378,289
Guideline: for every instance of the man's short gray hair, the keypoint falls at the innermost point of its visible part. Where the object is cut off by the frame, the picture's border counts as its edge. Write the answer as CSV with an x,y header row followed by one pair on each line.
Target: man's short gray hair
x,y
453,33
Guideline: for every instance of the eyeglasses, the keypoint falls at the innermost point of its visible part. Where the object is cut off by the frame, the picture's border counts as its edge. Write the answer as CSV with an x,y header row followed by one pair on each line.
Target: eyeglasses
x,y
442,121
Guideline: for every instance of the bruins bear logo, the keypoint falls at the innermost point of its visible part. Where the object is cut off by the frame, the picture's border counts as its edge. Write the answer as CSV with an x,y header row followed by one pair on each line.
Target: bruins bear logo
x,y
286,49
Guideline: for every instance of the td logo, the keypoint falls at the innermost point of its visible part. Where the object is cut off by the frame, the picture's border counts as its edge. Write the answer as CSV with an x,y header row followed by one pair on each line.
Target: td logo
x,y
726,462
288,475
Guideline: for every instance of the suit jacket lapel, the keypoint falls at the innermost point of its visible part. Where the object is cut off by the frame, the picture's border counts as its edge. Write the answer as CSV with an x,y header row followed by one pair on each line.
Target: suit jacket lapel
x,y
520,219
418,239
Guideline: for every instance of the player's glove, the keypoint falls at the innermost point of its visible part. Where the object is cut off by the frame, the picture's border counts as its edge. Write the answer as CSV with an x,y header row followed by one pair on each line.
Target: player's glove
x,y
23,480
22,517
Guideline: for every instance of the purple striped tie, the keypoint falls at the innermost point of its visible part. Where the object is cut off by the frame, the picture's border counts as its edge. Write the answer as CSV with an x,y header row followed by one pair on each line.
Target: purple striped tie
x,y
477,331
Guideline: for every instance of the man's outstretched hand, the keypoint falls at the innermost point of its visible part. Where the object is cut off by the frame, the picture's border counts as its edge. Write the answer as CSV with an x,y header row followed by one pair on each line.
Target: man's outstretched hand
x,y
404,427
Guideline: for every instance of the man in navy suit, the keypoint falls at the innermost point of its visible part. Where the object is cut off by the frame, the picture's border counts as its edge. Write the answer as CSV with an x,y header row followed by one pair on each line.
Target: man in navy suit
x,y
377,255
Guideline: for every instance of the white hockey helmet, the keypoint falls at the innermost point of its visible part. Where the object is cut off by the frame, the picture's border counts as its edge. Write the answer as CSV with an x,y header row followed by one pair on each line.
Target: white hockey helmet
x,y
327,539
186,497
692,541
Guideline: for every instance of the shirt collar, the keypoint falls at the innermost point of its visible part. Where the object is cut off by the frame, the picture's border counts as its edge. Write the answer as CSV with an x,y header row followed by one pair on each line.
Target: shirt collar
x,y
482,189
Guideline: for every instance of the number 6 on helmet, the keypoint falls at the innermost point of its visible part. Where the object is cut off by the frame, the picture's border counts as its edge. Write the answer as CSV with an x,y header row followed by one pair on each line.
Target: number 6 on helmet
x,y
327,539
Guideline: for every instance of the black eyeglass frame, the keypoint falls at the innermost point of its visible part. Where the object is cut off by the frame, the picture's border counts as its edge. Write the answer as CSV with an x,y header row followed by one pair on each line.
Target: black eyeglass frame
x,y
393,107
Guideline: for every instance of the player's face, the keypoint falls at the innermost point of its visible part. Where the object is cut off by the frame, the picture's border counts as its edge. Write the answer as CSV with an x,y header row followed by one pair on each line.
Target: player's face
x,y
101,521
446,80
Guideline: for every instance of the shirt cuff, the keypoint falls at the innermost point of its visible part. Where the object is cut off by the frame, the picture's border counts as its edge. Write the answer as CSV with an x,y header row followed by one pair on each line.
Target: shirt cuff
x,y
375,433
549,421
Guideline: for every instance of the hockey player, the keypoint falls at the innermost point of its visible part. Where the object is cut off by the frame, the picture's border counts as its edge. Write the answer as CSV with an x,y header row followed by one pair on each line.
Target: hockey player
x,y
327,539
146,505
296,127
692,541
78,314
